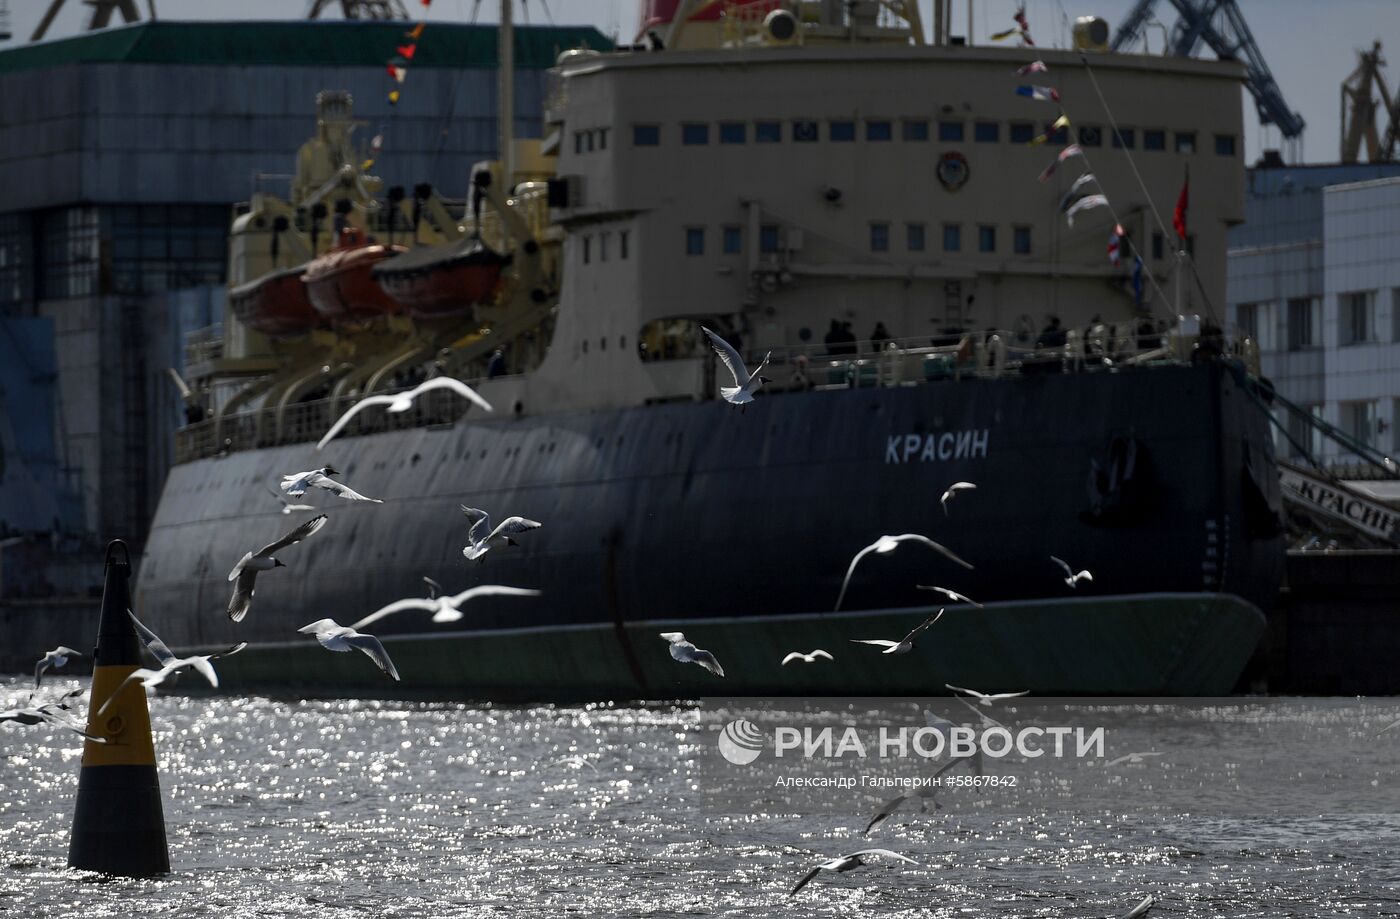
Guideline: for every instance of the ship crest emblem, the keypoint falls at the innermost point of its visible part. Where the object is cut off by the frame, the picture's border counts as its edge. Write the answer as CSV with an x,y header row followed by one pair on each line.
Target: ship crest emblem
x,y
953,170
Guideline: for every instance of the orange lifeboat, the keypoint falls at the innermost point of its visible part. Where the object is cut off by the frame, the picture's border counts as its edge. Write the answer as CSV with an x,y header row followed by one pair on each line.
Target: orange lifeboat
x,y
446,280
339,284
275,304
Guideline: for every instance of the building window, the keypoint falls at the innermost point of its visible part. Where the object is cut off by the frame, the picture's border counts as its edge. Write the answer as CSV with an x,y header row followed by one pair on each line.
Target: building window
x,y
842,130
1303,323
879,237
879,130
950,131
986,132
1056,135
1021,132
1158,245
646,135
578,142
1154,140
71,240
588,140
602,138
1124,139
952,237
767,132
603,246
986,238
1091,136
1225,145
733,242
16,259
1247,320
1302,434
1357,320
916,130
587,249
914,237
1185,141
165,247
768,241
695,134
622,244
694,240
1021,240
804,132
733,132
1359,420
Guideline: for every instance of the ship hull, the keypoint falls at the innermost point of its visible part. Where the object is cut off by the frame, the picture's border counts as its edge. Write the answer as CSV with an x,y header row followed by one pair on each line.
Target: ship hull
x,y
1158,481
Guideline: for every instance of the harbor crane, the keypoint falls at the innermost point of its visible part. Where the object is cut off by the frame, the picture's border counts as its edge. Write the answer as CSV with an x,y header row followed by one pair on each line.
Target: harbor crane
x,y
1360,111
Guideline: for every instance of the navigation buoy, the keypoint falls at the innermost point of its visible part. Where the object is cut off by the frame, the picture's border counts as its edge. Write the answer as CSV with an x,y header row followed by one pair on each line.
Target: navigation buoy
x,y
118,824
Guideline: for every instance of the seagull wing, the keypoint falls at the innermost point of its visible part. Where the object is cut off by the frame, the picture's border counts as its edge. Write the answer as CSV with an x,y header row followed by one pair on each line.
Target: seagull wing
x,y
889,807
142,674
247,557
952,595
882,642
852,570
492,590
939,547
806,879
242,594
341,490
292,538
707,660
759,369
397,606
1142,908
457,386
159,649
970,692
229,651
1008,695
1069,572
799,656
885,852
514,525
481,524
923,625
351,412
820,653
372,647
731,358
434,588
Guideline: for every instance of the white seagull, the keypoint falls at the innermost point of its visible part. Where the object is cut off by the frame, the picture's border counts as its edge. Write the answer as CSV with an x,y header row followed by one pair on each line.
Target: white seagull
x,y
246,571
445,608
51,713
687,653
171,664
483,538
952,492
1132,759
1142,908
987,699
884,546
905,644
55,658
1072,579
335,637
402,402
806,658
1388,727
846,863
288,507
571,761
297,483
952,595
925,794
745,383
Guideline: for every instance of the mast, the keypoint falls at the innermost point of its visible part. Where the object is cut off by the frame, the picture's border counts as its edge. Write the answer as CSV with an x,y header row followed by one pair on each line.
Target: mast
x,y
505,113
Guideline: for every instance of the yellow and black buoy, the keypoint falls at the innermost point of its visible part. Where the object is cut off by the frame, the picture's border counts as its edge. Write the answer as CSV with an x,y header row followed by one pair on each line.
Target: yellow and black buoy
x,y
118,824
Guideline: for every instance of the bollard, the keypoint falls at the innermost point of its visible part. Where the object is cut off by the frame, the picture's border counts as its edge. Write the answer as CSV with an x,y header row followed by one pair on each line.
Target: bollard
x,y
118,823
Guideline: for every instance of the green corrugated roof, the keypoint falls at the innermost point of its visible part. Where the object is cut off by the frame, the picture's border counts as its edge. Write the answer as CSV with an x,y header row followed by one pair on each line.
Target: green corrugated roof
x,y
300,43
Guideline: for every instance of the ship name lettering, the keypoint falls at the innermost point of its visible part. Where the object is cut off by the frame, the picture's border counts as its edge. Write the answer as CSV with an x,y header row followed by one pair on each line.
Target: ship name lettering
x,y
970,443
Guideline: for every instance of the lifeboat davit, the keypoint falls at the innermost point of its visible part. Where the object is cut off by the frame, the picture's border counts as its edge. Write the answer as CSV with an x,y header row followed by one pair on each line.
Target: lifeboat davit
x,y
275,304
446,280
339,284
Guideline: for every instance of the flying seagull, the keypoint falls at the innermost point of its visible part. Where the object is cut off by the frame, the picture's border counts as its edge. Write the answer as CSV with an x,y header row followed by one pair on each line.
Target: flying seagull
x,y
952,492
1388,727
984,698
297,483
884,546
335,637
402,402
483,538
571,761
1071,578
952,595
806,658
923,793
445,608
905,644
246,571
55,658
846,863
1132,759
1142,908
687,653
171,665
745,383
288,507
54,712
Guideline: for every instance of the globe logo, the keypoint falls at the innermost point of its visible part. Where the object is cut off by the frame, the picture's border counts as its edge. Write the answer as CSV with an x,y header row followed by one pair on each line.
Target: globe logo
x,y
740,742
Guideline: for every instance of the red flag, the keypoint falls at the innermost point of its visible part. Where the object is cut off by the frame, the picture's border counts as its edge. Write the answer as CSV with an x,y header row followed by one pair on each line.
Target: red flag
x,y
407,51
1179,215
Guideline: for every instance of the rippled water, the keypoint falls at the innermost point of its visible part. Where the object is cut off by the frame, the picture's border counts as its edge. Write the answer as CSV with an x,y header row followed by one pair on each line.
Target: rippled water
x,y
282,807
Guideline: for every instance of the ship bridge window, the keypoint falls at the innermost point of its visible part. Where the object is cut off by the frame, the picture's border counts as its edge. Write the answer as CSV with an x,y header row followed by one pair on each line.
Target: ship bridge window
x,y
1124,139
1225,144
915,129
1185,141
986,132
1154,140
804,132
733,240
842,131
950,131
646,135
1021,132
695,134
986,238
879,237
694,240
952,237
768,238
733,132
879,130
914,237
1056,135
767,132
1021,240
1090,136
